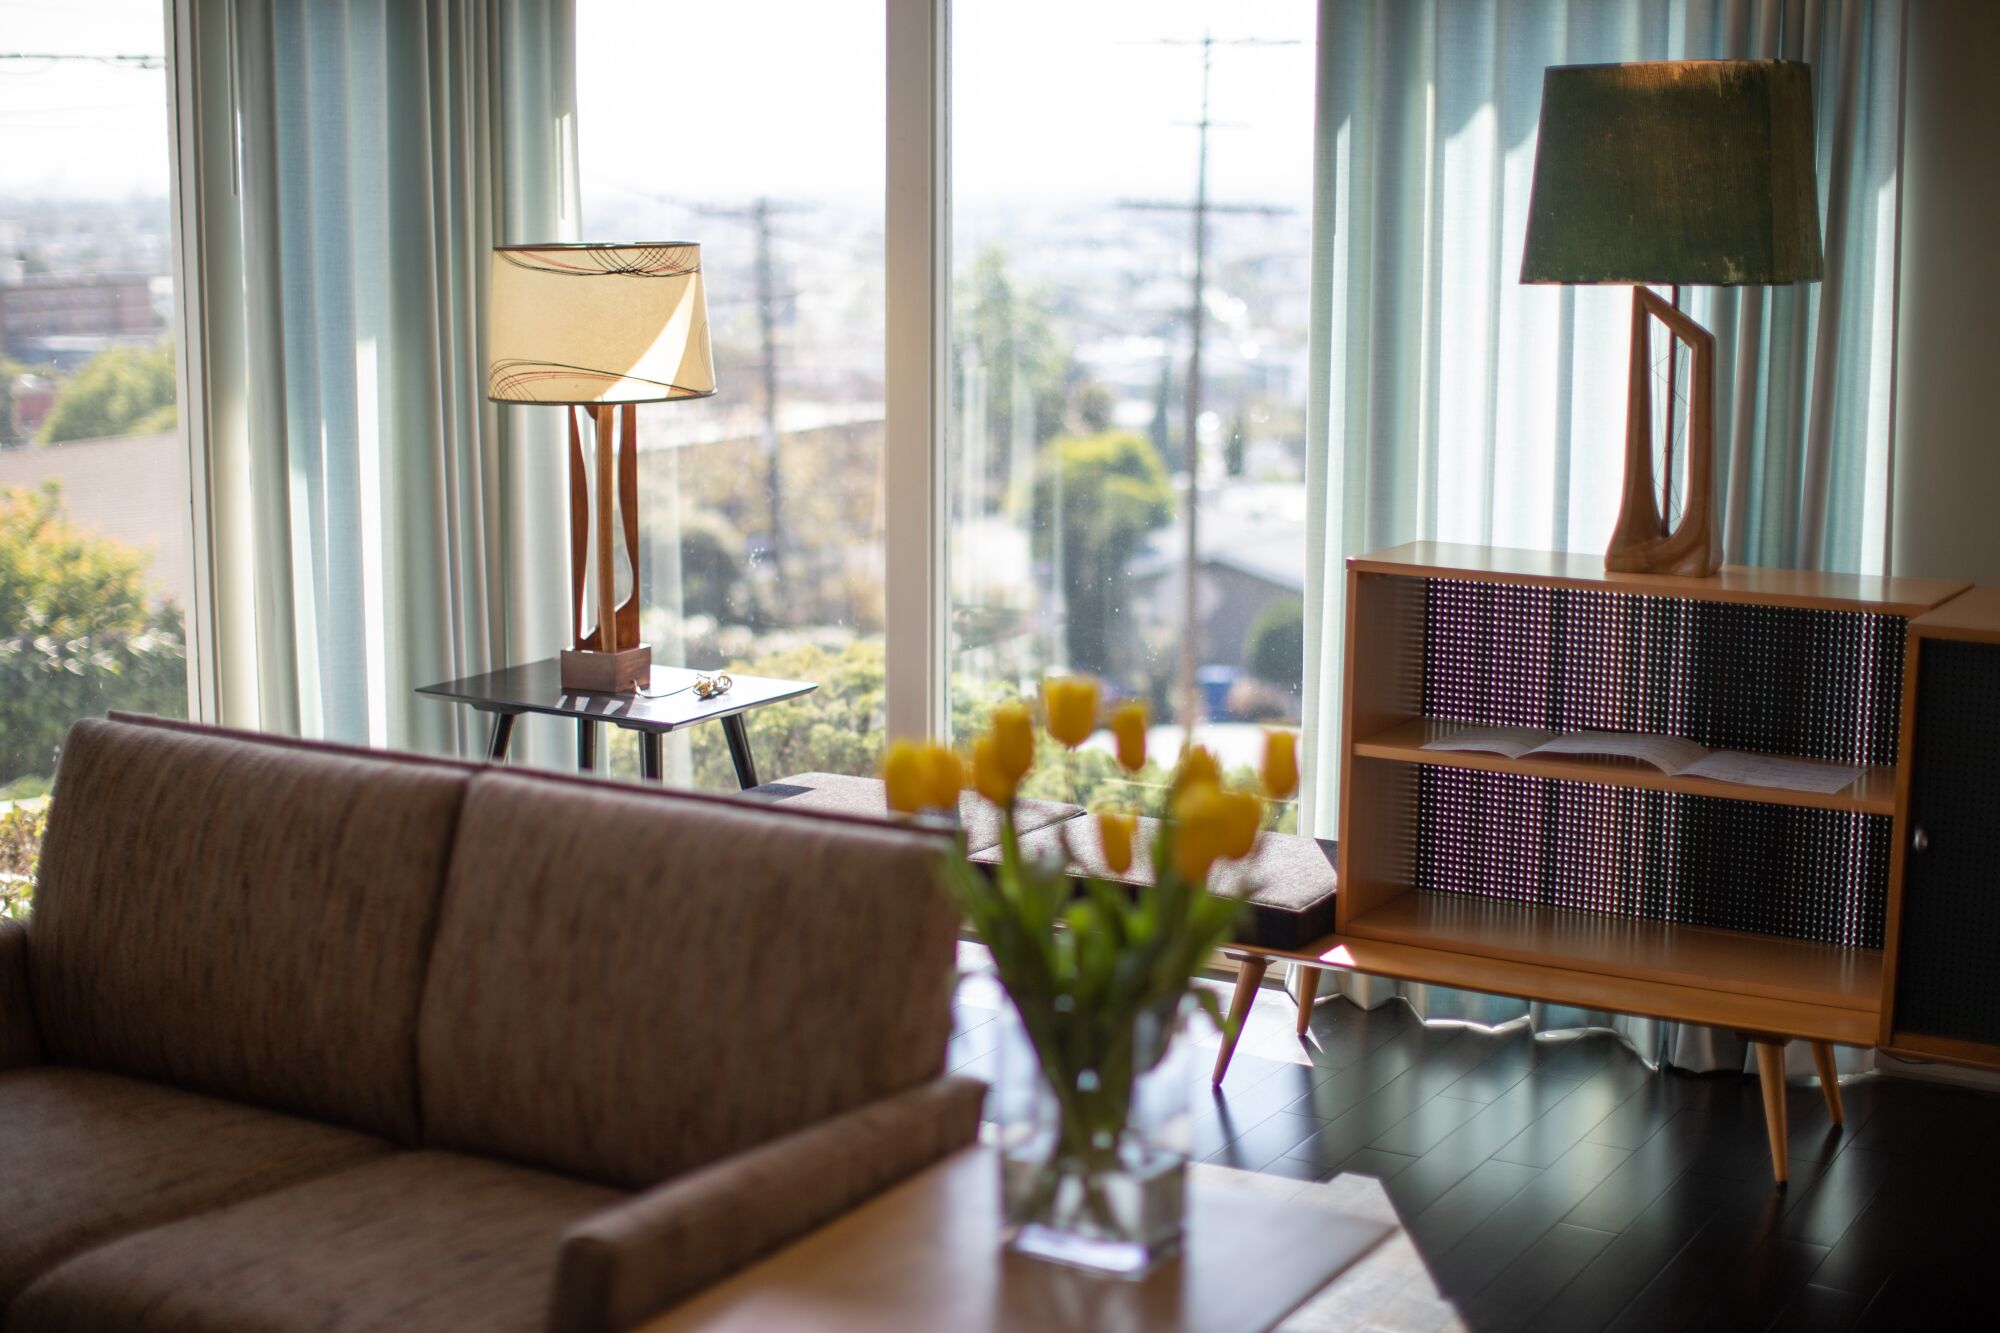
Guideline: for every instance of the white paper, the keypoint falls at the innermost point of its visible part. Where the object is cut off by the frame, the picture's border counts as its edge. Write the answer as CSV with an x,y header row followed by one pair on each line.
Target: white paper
x,y
1510,741
1770,770
1669,754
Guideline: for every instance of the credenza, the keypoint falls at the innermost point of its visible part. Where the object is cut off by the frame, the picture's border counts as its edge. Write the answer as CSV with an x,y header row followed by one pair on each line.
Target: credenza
x,y
1864,916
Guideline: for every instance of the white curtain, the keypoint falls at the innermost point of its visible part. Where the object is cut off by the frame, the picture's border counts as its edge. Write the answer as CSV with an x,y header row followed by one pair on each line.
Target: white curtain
x,y
1449,402
378,525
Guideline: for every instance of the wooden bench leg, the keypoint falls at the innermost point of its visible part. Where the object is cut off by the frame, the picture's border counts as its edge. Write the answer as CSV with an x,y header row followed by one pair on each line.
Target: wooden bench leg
x,y
1829,1079
1309,990
1771,1073
1249,976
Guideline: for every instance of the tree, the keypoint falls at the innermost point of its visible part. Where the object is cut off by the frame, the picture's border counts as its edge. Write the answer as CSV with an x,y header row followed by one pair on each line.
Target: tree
x,y
78,634
120,391
1113,492
1007,334
1275,648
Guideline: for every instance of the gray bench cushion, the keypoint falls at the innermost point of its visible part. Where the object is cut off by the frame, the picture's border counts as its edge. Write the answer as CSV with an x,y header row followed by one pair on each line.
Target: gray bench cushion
x,y
1289,906
865,796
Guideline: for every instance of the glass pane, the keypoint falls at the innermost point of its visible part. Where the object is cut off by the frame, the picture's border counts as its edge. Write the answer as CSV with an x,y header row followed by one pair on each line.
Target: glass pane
x,y
1171,175
94,561
761,508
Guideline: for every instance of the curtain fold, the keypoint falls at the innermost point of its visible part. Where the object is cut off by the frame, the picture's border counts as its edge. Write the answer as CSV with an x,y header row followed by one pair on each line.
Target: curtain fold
x,y
1449,402
378,524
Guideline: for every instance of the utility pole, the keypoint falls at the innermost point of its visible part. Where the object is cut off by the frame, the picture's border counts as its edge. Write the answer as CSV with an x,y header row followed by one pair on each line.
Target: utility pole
x,y
758,216
1200,209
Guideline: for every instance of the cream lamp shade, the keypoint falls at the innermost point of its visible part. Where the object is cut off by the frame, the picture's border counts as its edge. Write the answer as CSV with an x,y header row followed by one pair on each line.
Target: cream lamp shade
x,y
598,323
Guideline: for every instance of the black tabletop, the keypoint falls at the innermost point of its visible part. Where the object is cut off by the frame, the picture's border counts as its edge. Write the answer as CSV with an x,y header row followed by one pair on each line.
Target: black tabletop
x,y
668,703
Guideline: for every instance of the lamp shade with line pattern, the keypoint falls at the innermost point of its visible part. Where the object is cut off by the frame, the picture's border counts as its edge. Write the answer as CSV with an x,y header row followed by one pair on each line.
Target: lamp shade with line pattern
x,y
1695,172
598,324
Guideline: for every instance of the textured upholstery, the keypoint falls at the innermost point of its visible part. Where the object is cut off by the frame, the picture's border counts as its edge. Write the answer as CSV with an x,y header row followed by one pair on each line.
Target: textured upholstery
x,y
246,920
86,1157
415,1241
635,1259
18,1043
867,796
1290,878
617,975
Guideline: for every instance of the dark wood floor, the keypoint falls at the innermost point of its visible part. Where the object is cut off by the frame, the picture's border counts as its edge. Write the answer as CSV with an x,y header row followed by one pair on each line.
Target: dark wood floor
x,y
1560,1184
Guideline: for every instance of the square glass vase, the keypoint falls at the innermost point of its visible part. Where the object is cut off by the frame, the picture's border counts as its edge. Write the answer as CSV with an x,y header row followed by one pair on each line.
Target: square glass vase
x,y
1078,1187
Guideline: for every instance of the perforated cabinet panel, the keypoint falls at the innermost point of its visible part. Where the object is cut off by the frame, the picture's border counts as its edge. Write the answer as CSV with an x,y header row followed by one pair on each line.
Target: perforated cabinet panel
x,y
1814,683
1948,962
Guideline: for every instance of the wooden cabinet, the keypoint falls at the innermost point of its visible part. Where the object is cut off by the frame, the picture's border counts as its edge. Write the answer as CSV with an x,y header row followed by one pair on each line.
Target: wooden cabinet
x,y
1603,882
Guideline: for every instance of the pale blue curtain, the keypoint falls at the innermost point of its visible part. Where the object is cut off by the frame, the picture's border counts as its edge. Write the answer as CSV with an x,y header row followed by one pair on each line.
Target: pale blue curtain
x,y
1451,403
378,524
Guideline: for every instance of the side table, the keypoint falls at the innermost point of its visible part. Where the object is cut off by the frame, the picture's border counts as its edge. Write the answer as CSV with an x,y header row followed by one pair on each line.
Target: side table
x,y
668,704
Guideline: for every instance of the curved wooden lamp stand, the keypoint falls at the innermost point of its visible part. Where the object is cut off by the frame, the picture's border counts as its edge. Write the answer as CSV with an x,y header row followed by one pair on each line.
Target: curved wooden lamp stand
x,y
608,659
1642,542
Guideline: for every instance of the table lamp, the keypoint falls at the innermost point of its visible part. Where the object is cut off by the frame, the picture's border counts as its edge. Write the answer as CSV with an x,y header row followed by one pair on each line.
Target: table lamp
x,y
1673,172
605,327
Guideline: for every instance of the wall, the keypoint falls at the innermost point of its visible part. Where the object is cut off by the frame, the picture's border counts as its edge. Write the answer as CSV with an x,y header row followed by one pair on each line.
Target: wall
x,y
132,488
1947,476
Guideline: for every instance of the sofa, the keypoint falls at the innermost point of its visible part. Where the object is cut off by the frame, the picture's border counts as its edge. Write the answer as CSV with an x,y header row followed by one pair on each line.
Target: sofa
x,y
309,1037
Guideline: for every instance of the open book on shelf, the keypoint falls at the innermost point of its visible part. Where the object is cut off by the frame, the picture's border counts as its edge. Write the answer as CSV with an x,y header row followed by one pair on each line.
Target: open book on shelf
x,y
1672,755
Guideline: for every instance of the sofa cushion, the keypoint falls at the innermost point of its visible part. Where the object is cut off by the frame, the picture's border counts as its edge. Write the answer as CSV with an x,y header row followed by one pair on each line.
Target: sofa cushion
x,y
414,1241
86,1157
241,919
619,972
1289,879
868,796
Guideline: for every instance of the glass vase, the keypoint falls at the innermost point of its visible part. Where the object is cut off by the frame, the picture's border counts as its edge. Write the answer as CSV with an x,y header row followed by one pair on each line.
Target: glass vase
x,y
1091,1178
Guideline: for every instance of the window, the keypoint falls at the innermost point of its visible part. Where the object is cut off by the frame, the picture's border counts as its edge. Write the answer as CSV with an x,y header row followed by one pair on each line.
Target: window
x,y
761,517
94,546
1078,182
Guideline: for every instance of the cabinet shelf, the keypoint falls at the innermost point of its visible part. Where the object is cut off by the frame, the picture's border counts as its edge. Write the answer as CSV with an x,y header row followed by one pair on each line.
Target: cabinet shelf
x,y
1873,793
1632,949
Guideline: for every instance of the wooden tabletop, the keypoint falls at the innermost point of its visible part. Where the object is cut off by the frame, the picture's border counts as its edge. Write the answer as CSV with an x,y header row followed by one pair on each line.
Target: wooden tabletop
x,y
668,704
927,1255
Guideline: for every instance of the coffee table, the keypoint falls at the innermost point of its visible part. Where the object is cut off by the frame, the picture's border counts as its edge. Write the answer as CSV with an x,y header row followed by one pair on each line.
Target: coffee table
x,y
669,704
926,1255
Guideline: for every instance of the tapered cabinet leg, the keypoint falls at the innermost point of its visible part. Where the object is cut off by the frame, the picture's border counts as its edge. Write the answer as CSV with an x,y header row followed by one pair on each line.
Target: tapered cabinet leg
x,y
1308,992
1829,1080
1771,1073
1248,978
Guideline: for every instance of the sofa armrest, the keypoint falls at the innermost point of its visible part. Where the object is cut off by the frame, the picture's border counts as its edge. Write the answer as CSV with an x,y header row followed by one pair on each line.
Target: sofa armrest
x,y
18,1043
629,1262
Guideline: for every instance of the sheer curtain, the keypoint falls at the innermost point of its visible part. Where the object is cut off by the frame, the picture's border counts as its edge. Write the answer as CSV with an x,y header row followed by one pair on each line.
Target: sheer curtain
x,y
377,524
1449,402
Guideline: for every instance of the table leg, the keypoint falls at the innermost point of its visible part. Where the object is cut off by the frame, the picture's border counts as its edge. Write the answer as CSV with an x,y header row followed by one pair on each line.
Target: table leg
x,y
1771,1073
501,737
586,744
739,751
652,766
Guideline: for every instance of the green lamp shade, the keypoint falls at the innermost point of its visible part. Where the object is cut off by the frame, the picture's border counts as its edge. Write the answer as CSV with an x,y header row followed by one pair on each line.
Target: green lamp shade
x,y
1695,172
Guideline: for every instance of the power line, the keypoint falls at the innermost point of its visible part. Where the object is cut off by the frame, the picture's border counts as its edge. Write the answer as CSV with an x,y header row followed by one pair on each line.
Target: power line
x,y
1201,208
125,62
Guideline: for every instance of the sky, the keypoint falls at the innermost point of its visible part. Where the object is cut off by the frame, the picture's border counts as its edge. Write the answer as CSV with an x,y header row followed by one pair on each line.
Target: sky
x,y
1059,100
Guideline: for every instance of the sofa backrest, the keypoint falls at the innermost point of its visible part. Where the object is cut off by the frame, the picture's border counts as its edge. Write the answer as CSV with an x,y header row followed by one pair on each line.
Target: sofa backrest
x,y
627,986
243,918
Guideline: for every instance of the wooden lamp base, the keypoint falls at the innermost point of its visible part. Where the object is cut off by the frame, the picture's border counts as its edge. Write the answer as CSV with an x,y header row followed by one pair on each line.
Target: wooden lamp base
x,y
608,658
1642,543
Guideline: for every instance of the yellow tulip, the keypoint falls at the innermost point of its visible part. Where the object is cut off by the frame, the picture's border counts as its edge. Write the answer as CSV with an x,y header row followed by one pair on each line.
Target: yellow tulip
x,y
906,775
1071,704
944,774
1128,725
1014,740
1201,825
1280,773
1114,837
1241,815
991,776
1198,768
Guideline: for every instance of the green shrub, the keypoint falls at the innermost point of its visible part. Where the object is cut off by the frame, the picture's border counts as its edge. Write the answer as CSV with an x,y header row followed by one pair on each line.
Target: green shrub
x,y
1275,648
21,829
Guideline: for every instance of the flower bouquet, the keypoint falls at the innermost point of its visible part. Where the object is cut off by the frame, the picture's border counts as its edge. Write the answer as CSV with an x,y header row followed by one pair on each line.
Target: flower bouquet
x,y
1100,971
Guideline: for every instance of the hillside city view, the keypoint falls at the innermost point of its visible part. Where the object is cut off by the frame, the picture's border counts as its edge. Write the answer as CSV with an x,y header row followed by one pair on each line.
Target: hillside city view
x,y
762,520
